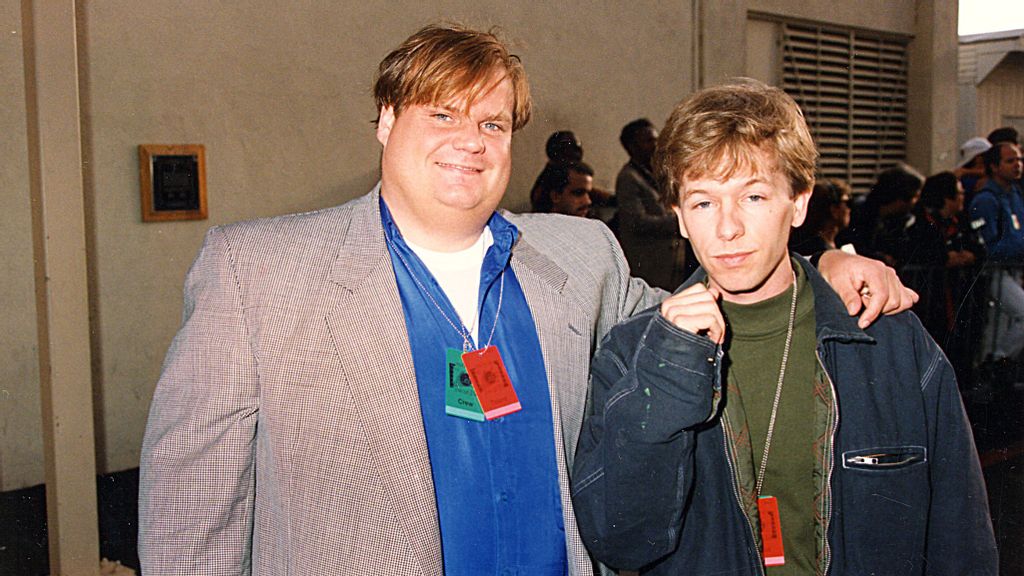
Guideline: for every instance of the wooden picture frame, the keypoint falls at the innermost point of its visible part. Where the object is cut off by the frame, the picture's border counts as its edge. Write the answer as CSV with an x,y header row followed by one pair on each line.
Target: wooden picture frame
x,y
172,180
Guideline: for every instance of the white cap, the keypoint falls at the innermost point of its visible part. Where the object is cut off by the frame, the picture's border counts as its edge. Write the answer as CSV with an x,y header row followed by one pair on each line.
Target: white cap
x,y
972,148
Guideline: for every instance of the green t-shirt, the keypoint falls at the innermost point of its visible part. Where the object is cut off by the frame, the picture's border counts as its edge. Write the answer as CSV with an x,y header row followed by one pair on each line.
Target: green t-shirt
x,y
757,337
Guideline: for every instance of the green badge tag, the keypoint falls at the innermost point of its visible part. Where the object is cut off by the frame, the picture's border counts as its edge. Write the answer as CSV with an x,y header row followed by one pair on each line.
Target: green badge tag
x,y
459,397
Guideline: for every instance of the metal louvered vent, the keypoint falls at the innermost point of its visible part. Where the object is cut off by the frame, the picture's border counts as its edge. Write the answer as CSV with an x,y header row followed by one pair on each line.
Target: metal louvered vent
x,y
852,87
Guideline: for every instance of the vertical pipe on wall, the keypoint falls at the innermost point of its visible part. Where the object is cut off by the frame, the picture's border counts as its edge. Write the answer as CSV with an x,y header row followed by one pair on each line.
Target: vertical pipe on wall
x,y
59,249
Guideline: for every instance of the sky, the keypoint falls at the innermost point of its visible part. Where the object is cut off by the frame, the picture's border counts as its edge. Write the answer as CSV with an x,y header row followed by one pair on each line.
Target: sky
x,y
978,16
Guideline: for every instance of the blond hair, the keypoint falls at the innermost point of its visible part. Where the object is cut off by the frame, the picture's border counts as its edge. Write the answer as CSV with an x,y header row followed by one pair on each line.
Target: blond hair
x,y
713,133
449,63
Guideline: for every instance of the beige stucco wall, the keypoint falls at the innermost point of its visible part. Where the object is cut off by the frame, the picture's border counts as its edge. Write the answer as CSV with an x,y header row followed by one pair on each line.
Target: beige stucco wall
x,y
21,444
896,16
932,143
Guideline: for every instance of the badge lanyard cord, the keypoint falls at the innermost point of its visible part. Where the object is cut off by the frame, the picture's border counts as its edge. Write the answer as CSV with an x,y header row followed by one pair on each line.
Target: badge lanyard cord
x,y
778,392
462,331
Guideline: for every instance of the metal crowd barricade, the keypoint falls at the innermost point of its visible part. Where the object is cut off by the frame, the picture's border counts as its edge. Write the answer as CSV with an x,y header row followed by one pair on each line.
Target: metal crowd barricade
x,y
1004,306
954,307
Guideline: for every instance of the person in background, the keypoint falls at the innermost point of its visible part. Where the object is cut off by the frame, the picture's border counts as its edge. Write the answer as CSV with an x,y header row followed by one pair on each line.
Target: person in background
x,y
646,227
941,264
878,226
1004,134
565,189
828,214
997,214
563,148
971,168
997,136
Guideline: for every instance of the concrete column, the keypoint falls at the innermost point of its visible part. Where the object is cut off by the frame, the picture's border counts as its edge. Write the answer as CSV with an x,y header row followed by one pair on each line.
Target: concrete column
x,y
59,247
932,87
721,40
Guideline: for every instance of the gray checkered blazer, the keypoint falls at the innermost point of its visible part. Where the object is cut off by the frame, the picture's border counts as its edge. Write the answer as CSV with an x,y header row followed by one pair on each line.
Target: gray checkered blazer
x,y
285,434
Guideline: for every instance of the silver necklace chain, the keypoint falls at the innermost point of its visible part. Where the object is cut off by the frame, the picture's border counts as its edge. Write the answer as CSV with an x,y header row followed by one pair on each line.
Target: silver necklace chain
x,y
462,331
778,392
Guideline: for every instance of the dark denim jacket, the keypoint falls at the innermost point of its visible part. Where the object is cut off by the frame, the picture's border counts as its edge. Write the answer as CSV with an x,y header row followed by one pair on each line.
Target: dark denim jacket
x,y
653,486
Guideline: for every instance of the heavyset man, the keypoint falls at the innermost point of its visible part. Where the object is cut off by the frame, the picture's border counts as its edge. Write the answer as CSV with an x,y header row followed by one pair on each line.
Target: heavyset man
x,y
748,425
339,398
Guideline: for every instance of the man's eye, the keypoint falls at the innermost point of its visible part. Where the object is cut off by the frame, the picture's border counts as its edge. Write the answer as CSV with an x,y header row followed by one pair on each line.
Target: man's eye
x,y
442,116
701,205
494,127
755,198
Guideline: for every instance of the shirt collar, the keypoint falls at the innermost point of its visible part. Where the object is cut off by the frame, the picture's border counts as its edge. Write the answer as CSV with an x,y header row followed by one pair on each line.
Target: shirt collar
x,y
503,231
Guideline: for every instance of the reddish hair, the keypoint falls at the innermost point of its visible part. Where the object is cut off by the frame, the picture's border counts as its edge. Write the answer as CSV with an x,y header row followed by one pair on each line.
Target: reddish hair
x,y
450,64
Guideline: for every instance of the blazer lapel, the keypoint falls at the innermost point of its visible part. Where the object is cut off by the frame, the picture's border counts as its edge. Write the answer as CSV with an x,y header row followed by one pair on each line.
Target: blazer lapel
x,y
565,333
369,333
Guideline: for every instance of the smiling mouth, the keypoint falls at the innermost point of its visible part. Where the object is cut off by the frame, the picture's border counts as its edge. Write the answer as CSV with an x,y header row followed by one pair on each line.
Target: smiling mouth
x,y
460,168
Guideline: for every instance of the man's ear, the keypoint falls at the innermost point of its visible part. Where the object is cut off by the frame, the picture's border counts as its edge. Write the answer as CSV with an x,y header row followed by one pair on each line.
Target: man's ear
x,y
679,217
385,122
800,202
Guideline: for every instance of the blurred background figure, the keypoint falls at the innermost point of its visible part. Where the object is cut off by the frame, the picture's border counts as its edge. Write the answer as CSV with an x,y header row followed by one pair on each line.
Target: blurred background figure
x,y
942,264
1004,134
563,148
828,214
565,189
647,228
971,168
878,227
997,213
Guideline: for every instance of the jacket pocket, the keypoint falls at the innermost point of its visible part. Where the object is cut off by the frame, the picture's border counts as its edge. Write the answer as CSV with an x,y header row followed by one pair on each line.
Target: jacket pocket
x,y
884,457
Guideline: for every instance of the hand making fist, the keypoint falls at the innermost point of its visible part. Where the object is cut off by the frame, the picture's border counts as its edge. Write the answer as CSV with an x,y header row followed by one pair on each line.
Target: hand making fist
x,y
696,310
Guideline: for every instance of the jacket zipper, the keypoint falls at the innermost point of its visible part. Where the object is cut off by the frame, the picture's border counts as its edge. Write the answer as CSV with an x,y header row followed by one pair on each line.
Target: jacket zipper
x,y
877,460
827,548
726,433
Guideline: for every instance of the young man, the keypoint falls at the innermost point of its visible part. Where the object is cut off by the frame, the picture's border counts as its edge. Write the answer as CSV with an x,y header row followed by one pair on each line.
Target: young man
x,y
302,422
748,425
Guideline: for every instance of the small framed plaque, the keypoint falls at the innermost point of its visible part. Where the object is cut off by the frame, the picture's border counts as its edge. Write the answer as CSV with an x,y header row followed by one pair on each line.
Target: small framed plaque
x,y
173,182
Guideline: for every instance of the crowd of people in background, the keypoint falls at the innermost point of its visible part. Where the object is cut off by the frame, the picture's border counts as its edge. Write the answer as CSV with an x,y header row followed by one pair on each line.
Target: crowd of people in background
x,y
954,236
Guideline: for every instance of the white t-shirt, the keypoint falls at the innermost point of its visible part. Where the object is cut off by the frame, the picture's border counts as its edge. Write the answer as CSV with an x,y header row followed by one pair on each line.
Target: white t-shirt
x,y
458,274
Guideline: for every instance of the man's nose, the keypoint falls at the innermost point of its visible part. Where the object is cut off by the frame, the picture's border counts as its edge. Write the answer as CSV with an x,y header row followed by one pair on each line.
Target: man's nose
x,y
470,139
730,226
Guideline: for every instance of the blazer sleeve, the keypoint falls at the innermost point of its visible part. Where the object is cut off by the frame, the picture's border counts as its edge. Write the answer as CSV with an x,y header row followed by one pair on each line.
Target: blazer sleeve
x,y
197,483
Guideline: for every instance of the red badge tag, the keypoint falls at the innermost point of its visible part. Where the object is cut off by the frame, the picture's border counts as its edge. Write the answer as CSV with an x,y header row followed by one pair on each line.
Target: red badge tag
x,y
491,382
771,530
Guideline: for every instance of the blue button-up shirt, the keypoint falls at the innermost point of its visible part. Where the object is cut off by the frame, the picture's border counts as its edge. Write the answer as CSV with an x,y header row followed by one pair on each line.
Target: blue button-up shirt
x,y
496,482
